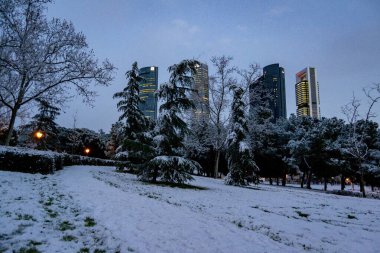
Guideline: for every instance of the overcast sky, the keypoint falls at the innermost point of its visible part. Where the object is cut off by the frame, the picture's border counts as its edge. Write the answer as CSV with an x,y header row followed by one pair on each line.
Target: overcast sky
x,y
341,39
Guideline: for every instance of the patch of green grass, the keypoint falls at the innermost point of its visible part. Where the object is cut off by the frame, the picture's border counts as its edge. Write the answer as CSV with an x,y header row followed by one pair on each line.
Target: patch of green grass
x,y
27,250
350,216
69,238
18,198
49,202
99,251
89,222
34,243
51,213
84,250
306,247
182,186
238,223
301,214
66,226
25,217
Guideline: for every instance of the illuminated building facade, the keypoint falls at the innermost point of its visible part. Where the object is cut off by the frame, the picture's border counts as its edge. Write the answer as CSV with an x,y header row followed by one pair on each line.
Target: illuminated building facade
x,y
307,93
201,96
273,80
148,89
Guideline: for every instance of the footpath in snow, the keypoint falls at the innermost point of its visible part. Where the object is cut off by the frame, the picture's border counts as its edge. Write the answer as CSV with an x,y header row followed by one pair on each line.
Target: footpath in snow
x,y
84,207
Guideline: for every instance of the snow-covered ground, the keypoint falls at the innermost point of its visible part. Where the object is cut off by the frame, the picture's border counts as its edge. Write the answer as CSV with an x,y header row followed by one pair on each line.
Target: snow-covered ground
x,y
84,207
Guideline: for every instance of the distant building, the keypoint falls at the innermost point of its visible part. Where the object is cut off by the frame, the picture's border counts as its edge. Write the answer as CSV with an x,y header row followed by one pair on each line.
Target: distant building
x,y
307,93
148,89
273,80
201,94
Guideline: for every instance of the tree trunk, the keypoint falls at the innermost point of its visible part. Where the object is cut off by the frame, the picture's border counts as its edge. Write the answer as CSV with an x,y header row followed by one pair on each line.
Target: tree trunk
x,y
302,179
11,126
284,179
362,184
216,167
277,181
372,188
155,173
270,181
342,182
309,174
325,182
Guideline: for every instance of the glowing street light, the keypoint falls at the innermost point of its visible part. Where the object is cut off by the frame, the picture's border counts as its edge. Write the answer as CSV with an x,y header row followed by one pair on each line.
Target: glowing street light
x,y
87,151
39,134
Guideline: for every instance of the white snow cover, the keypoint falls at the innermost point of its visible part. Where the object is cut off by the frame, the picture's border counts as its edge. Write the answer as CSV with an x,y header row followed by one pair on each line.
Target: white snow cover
x,y
243,146
134,216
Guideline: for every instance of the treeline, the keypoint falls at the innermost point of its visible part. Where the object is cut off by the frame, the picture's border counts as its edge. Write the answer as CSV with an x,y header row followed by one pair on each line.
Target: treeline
x,y
250,143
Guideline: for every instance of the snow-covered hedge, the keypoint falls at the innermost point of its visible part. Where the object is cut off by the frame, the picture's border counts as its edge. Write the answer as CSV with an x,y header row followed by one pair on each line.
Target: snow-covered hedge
x,y
29,160
371,195
36,161
85,160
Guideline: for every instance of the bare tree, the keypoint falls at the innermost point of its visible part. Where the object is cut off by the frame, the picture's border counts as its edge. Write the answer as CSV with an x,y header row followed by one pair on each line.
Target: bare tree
x,y
356,146
220,84
248,77
43,58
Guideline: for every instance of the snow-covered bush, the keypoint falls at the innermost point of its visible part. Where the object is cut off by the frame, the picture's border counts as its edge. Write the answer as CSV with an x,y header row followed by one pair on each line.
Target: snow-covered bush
x,y
29,160
172,169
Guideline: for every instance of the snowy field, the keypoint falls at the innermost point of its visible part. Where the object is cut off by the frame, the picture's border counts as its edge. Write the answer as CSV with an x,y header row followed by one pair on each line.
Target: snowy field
x,y
94,209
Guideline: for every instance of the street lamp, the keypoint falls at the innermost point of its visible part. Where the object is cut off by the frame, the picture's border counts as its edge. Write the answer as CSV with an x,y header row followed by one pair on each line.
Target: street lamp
x,y
39,134
87,151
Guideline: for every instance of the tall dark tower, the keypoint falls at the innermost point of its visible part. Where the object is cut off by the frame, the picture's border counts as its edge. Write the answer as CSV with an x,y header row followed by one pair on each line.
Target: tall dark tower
x,y
148,89
274,80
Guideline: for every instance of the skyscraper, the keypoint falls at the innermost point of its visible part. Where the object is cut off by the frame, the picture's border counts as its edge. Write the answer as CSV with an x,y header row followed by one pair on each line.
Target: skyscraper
x,y
273,80
201,94
148,89
307,93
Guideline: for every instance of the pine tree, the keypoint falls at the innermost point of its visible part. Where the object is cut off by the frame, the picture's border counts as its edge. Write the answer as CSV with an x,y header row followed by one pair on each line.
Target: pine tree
x,y
169,165
43,121
135,146
241,165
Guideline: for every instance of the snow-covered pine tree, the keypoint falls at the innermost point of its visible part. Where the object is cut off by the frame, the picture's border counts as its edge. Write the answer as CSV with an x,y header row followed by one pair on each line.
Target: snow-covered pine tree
x,y
44,121
198,144
169,165
135,148
241,165
115,139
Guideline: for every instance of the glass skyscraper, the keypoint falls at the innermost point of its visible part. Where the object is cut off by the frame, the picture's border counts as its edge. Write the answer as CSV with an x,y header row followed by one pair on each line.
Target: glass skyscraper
x,y
273,79
307,93
148,89
201,94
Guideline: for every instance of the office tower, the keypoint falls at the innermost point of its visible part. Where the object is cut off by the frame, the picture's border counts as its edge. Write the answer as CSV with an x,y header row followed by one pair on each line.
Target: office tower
x,y
273,80
307,93
148,89
274,76
201,94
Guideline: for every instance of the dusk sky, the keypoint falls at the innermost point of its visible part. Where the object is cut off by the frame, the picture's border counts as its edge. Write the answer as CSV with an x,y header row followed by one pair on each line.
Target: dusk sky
x,y
341,39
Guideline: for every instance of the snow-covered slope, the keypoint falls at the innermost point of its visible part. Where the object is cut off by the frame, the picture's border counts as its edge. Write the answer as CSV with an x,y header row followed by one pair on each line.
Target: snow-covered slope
x,y
135,216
